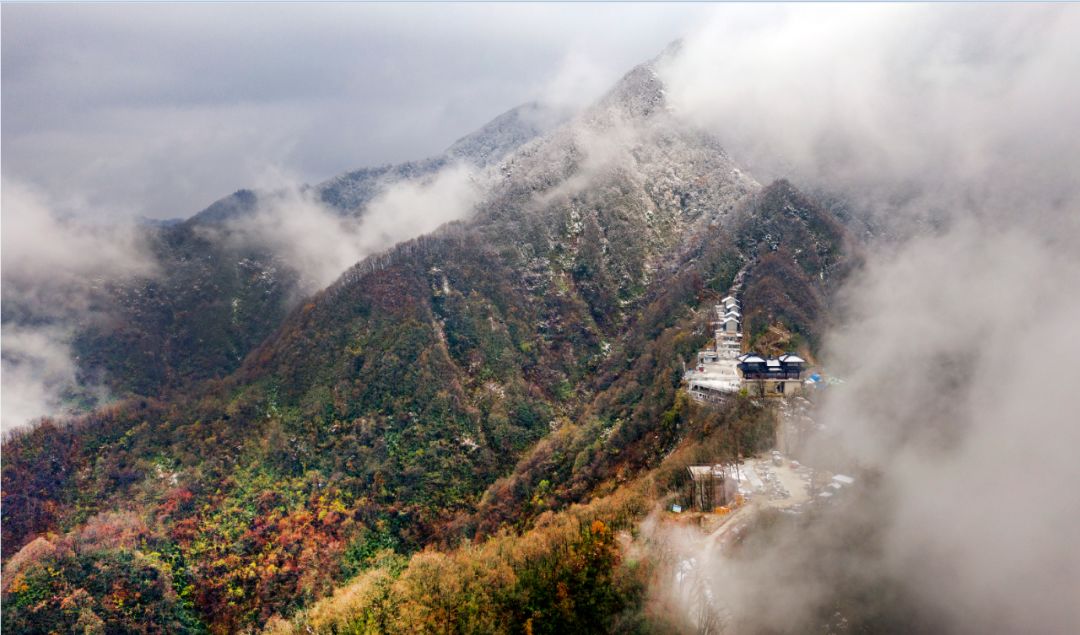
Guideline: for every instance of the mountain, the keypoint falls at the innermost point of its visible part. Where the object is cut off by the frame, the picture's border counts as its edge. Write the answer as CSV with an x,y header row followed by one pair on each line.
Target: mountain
x,y
217,293
506,133
350,192
484,377
801,251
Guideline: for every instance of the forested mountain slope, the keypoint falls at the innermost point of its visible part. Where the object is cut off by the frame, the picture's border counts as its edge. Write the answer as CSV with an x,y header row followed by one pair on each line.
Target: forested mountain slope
x,y
217,286
468,380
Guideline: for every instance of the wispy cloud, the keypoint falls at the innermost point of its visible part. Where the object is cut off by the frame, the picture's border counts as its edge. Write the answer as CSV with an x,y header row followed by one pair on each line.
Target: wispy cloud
x,y
954,342
52,267
910,109
321,243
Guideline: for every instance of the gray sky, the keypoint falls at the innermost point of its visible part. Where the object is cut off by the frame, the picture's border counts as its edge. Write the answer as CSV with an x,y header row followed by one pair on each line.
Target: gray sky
x,y
114,110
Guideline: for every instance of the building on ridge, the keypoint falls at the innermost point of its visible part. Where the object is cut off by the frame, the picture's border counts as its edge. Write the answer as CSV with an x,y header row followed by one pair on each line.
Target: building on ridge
x,y
771,377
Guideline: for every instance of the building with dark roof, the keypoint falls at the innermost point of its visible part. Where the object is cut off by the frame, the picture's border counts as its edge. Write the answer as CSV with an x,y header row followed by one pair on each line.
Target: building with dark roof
x,y
771,376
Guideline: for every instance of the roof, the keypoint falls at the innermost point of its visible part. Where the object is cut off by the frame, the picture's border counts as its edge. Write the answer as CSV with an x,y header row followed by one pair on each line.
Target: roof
x,y
726,298
730,319
772,362
753,359
732,312
791,358
841,478
698,471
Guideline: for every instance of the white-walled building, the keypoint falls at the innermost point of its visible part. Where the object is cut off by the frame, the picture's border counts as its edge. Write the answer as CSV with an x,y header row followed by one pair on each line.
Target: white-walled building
x,y
716,375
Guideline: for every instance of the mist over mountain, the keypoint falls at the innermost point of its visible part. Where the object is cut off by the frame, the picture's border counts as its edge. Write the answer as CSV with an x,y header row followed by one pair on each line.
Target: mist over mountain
x,y
449,395
938,138
132,309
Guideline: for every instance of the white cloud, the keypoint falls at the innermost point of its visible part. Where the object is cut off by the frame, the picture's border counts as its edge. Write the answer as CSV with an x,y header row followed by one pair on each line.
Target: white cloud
x,y
413,208
41,247
905,107
51,267
953,344
37,370
958,393
321,243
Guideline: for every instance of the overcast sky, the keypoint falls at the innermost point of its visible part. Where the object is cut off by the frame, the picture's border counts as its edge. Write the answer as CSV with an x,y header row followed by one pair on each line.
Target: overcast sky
x,y
115,110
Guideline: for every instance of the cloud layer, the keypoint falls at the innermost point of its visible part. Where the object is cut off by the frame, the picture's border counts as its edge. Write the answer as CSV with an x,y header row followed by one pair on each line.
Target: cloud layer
x,y
52,266
910,109
959,393
158,110
954,341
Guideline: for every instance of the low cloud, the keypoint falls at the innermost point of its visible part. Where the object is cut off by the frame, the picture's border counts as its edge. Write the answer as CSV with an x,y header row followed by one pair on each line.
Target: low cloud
x,y
958,392
42,249
910,110
321,244
38,372
954,342
413,208
52,267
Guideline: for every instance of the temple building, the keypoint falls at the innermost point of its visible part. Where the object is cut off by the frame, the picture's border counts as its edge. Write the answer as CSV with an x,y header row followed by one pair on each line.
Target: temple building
x,y
771,377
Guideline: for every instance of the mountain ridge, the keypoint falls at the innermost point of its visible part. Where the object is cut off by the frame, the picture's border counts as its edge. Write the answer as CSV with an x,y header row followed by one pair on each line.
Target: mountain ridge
x,y
460,383
214,295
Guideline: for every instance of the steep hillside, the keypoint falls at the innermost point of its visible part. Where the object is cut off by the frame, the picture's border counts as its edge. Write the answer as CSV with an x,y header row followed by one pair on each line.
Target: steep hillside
x,y
801,253
211,305
461,382
794,254
217,293
598,475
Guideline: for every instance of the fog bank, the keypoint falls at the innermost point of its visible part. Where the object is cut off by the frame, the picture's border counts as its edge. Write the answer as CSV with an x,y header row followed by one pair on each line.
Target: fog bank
x,y
913,111
955,128
51,267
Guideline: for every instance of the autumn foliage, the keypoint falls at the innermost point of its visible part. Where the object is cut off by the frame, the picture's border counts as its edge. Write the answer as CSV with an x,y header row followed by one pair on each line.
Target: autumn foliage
x,y
566,575
424,428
